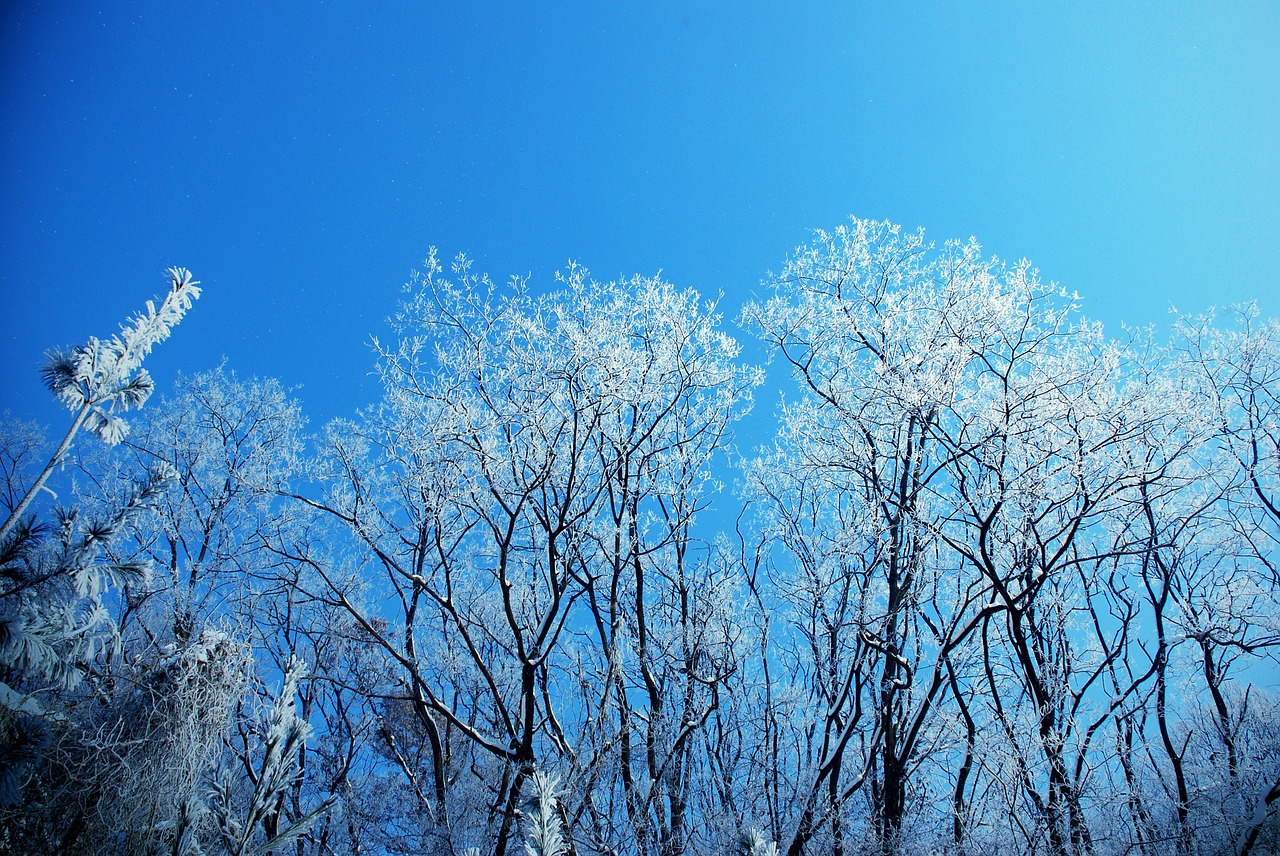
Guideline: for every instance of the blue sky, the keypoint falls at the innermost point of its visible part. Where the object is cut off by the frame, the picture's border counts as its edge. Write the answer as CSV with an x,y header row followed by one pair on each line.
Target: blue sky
x,y
301,158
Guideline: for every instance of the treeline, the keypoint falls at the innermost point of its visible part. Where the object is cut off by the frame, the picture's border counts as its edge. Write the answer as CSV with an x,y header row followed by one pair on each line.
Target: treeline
x,y
998,584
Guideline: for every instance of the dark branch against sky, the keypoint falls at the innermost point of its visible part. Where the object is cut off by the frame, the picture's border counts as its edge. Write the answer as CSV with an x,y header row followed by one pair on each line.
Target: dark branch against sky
x,y
301,158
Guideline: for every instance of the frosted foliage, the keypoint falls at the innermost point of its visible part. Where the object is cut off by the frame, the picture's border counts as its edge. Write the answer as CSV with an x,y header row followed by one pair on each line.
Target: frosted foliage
x,y
752,842
99,378
545,830
252,823
54,615
104,376
165,740
120,770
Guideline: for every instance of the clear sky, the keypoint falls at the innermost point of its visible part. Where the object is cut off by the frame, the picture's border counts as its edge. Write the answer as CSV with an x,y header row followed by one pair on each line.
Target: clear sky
x,y
301,157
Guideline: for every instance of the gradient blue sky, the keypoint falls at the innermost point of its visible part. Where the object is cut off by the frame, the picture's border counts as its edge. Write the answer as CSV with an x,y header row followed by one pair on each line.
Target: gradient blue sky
x,y
300,158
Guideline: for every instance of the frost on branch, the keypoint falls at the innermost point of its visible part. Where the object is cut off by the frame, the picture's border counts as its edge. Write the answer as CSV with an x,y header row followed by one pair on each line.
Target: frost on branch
x,y
752,842
258,827
103,376
52,614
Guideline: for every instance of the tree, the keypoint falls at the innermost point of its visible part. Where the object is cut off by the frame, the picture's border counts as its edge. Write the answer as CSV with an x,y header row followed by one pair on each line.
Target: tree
x,y
1235,375
527,483
232,444
1000,537
55,580
884,340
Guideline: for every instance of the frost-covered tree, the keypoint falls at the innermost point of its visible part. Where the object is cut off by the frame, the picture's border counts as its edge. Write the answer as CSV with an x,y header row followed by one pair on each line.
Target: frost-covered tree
x,y
56,579
235,444
521,503
886,339
1229,615
1012,552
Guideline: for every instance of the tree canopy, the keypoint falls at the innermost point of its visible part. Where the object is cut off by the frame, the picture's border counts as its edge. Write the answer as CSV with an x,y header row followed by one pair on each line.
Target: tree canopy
x,y
996,581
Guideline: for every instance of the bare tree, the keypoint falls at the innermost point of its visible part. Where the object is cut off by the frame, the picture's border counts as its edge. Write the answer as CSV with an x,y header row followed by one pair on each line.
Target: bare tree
x,y
528,483
1235,374
884,337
